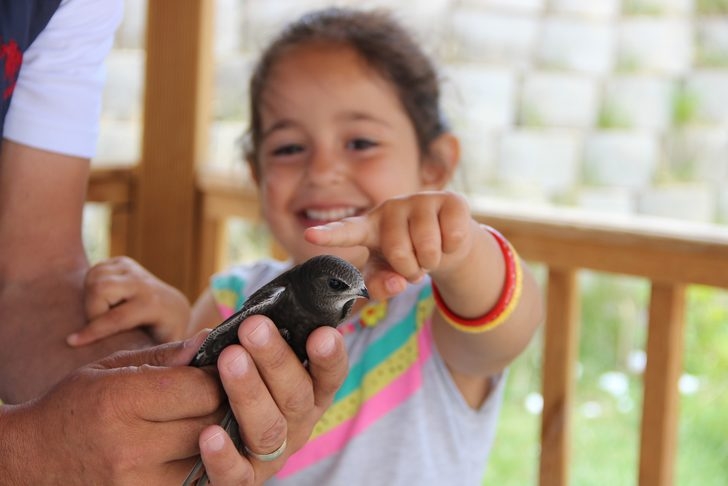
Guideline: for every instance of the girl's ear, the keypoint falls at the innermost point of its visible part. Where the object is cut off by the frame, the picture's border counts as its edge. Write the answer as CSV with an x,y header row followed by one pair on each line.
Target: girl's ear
x,y
253,170
439,164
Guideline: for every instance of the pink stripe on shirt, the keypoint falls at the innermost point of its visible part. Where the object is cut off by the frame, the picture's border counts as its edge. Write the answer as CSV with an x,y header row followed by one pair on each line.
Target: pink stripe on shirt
x,y
376,407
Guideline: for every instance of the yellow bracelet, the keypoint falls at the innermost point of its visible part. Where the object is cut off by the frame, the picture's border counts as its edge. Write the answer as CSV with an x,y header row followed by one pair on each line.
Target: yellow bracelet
x,y
507,302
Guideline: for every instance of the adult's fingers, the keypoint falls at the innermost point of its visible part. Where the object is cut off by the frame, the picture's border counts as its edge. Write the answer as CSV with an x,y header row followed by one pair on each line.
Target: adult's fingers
x,y
328,364
284,375
260,377
171,393
223,462
168,441
158,384
275,398
263,426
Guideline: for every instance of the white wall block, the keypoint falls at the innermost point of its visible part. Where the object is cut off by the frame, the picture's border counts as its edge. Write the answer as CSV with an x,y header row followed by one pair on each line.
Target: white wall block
x,y
624,159
578,45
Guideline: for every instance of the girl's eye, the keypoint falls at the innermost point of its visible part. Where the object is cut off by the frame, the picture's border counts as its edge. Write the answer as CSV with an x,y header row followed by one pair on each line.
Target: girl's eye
x,y
285,150
360,144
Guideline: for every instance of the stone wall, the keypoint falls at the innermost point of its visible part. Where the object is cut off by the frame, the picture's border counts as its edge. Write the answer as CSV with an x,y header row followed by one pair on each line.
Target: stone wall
x,y
607,105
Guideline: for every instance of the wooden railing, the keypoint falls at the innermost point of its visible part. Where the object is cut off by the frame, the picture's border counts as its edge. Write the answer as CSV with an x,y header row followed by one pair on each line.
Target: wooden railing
x,y
669,255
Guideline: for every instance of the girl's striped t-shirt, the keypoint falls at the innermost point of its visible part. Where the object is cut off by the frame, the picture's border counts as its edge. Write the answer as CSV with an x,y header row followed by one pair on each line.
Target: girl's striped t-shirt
x,y
398,418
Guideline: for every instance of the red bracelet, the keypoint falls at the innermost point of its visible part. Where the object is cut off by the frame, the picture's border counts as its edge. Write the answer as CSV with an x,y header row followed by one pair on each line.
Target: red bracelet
x,y
507,302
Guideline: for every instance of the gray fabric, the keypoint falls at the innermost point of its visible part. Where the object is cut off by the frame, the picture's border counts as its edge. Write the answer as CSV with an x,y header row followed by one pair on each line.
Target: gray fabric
x,y
431,438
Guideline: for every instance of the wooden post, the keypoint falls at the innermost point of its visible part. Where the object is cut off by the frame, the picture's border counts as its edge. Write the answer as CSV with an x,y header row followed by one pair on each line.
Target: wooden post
x,y
120,219
115,187
213,235
222,197
176,123
560,354
661,396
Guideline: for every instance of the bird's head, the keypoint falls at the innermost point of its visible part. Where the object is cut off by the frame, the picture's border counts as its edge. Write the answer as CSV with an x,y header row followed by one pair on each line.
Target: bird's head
x,y
334,285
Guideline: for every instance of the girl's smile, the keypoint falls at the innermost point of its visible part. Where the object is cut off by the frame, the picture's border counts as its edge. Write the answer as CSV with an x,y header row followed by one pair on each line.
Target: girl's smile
x,y
323,215
336,143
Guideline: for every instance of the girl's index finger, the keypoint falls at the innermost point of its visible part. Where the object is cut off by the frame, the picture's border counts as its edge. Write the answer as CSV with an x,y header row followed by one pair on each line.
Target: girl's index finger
x,y
354,231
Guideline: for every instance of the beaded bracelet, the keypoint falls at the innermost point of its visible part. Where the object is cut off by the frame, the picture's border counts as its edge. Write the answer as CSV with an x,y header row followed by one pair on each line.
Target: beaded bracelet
x,y
507,301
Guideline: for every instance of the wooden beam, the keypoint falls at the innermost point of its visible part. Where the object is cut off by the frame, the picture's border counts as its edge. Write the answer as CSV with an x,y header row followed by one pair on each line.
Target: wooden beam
x,y
661,250
111,185
176,122
661,395
658,249
561,344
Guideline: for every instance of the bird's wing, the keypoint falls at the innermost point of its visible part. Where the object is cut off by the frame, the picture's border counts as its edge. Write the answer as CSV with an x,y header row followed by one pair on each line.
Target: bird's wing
x,y
262,299
226,333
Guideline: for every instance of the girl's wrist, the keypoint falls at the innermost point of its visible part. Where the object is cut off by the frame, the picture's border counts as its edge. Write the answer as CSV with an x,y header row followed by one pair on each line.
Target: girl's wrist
x,y
507,301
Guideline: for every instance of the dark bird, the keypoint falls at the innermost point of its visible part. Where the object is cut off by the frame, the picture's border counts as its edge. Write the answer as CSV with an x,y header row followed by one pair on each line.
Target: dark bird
x,y
319,292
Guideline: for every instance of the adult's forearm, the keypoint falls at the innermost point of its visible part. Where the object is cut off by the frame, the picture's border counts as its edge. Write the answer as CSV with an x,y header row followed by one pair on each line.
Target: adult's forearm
x,y
42,267
35,318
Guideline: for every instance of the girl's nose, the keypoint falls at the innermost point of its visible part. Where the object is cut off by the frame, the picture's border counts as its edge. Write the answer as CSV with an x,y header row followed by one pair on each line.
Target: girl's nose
x,y
325,167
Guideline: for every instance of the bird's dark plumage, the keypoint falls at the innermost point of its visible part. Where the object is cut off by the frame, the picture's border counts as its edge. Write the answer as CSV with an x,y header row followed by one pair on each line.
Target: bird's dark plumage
x,y
320,291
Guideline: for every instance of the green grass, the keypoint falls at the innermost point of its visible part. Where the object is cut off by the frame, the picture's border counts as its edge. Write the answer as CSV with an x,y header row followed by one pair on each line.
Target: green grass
x,y
684,107
612,118
605,445
703,436
642,7
711,7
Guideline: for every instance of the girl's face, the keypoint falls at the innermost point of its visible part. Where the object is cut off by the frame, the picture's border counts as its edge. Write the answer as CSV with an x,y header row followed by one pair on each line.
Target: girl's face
x,y
336,142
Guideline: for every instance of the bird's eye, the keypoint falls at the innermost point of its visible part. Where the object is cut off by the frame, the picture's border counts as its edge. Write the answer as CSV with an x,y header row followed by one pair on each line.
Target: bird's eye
x,y
336,284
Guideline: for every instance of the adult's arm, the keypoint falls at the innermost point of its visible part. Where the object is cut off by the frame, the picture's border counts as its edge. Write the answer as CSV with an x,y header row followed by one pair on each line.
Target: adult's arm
x,y
50,134
42,267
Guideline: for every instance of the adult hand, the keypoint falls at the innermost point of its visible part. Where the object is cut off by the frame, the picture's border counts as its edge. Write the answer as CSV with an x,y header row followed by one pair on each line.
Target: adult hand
x,y
273,396
135,417
132,418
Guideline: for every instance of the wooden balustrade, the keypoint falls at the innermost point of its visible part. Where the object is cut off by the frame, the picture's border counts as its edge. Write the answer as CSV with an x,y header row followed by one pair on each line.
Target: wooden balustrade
x,y
670,255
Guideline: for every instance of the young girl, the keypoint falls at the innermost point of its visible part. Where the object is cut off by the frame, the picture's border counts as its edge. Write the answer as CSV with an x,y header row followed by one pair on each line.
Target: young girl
x,y
350,153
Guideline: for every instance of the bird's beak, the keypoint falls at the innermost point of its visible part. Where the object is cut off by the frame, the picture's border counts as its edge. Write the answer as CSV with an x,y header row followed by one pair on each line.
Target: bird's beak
x,y
363,292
